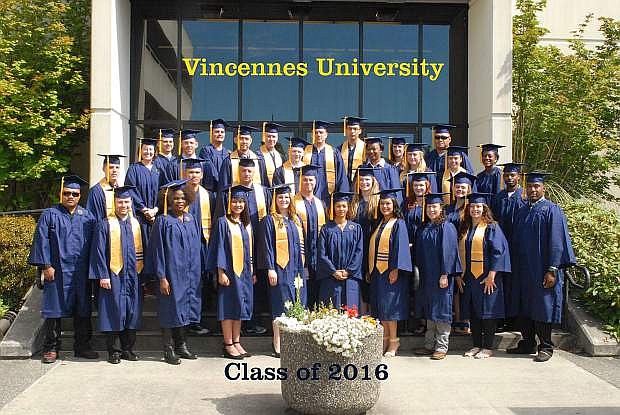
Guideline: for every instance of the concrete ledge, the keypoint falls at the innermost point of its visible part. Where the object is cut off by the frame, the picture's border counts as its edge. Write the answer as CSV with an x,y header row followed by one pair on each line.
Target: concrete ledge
x,y
589,332
23,338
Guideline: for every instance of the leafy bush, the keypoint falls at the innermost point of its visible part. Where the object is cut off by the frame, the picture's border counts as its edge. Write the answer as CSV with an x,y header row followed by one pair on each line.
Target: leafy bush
x,y
16,276
595,234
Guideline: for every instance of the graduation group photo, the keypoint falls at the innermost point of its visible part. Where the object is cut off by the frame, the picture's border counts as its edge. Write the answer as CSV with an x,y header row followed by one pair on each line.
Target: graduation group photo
x,y
337,207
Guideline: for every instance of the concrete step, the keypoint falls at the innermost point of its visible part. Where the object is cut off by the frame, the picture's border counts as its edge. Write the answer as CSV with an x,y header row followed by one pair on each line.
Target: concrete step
x,y
211,344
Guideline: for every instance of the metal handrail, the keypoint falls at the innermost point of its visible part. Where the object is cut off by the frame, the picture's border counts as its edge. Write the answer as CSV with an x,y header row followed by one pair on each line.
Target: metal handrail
x,y
22,212
570,281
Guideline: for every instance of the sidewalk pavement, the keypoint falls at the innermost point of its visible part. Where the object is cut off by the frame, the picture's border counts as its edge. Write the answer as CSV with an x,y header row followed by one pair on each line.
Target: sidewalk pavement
x,y
504,384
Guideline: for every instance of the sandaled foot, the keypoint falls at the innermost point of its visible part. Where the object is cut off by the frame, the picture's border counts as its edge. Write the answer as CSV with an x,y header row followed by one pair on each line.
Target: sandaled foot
x,y
471,352
241,350
484,354
393,346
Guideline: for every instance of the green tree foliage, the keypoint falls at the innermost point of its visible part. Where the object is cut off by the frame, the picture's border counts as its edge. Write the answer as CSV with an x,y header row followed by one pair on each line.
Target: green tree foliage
x,y
43,95
566,114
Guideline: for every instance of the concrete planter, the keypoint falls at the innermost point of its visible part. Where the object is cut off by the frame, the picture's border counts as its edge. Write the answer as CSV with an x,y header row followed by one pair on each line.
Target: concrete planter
x,y
355,392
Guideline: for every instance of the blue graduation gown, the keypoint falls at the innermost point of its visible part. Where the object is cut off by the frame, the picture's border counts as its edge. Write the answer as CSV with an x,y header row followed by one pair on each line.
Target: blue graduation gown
x,y
391,301
437,254
489,182
496,258
311,236
194,209
453,215
278,177
174,247
436,162
342,183
541,240
95,203
266,259
225,175
147,184
120,308
340,249
221,205
413,220
234,302
165,170
368,224
388,178
63,241
213,165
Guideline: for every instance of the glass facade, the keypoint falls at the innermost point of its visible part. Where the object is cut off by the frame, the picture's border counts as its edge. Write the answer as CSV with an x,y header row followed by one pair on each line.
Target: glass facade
x,y
181,53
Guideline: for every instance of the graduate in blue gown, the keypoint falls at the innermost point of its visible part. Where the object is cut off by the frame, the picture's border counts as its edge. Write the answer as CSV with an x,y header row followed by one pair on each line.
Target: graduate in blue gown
x,y
316,155
435,160
312,213
60,250
116,260
289,171
389,266
339,267
542,248
485,259
100,202
230,257
504,206
243,151
396,153
171,258
352,149
414,163
364,208
166,159
281,256
145,177
417,185
387,175
490,179
187,147
438,262
214,153
462,184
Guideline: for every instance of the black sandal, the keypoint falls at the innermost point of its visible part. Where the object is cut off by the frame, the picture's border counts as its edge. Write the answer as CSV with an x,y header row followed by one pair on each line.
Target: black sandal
x,y
243,355
228,355
275,354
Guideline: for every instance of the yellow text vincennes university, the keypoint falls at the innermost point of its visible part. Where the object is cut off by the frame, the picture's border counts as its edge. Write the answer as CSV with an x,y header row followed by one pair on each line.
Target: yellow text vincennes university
x,y
324,67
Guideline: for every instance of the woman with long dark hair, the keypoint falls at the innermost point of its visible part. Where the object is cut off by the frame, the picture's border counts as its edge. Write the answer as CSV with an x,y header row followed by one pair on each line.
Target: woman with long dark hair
x,y
484,252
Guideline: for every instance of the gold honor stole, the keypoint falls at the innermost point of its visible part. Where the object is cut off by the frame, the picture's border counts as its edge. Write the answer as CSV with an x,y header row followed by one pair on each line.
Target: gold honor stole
x,y
358,157
270,164
116,251
236,244
289,175
282,254
477,251
205,212
383,256
109,197
261,205
300,207
330,165
234,166
446,184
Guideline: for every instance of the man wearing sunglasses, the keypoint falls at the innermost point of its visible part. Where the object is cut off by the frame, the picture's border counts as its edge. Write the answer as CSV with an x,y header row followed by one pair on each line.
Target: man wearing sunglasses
x,y
436,159
60,251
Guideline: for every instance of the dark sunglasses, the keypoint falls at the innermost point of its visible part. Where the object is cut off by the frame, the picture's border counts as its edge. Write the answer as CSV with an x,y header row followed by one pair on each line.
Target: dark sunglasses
x,y
74,194
441,137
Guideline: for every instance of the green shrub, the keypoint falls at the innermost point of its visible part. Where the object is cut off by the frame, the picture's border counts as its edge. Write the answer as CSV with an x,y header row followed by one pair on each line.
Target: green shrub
x,y
16,276
595,234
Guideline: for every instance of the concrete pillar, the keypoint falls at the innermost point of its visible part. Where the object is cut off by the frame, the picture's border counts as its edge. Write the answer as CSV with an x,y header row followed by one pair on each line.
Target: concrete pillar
x,y
109,99
490,77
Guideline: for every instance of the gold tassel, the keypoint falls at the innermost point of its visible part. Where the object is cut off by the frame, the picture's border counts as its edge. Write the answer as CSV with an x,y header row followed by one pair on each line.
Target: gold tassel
x,y
139,150
238,135
357,182
179,142
181,169
390,150
166,201
331,207
159,144
229,197
344,126
407,186
313,130
273,204
211,131
300,171
62,185
107,168
523,193
481,155
263,135
423,206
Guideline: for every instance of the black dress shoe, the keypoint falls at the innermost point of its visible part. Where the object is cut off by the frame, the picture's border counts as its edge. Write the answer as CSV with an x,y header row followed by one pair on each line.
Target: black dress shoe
x,y
521,350
170,356
197,330
183,352
129,355
228,355
542,356
256,330
86,354
114,358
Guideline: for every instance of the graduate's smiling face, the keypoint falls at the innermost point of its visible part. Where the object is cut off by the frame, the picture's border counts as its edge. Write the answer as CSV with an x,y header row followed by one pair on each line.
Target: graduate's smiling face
x,y
113,171
122,206
442,141
461,189
178,202
189,146
244,143
475,210
454,162
374,151
353,132
271,139
283,201
489,158
419,188
167,144
512,179
219,134
535,191
365,183
340,209
70,198
320,135
398,150
246,174
194,175
433,211
308,183
148,152
414,158
296,154
387,207
237,204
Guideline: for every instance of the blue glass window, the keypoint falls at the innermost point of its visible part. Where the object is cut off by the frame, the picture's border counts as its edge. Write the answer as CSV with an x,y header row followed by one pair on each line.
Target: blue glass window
x,y
436,94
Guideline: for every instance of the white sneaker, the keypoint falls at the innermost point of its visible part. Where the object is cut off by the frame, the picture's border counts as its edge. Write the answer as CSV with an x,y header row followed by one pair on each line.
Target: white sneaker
x,y
472,352
484,354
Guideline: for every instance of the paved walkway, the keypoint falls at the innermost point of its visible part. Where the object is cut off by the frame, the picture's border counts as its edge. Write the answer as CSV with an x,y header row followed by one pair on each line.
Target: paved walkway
x,y
501,385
